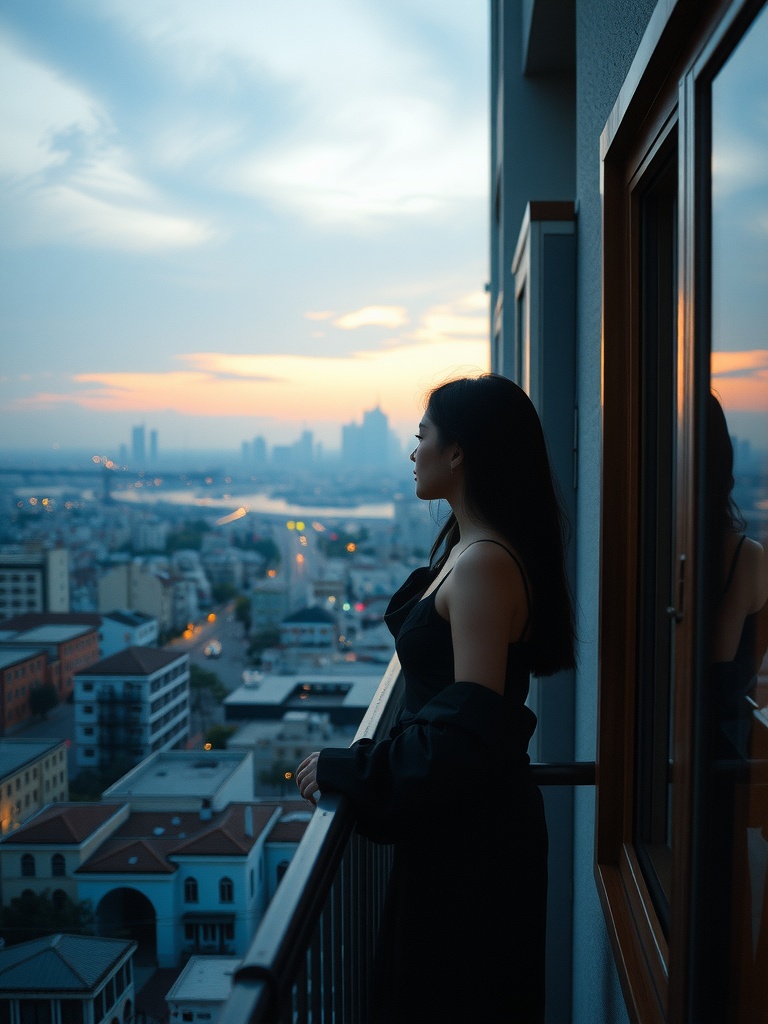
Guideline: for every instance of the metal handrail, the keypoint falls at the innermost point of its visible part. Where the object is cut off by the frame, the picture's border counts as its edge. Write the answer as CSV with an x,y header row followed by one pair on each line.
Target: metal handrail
x,y
282,976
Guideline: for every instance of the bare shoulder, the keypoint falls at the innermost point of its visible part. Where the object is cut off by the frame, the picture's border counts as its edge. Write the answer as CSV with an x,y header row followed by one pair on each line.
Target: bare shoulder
x,y
487,569
486,601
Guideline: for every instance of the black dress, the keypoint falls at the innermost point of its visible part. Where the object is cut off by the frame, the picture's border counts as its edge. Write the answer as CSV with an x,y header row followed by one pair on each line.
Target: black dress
x,y
462,936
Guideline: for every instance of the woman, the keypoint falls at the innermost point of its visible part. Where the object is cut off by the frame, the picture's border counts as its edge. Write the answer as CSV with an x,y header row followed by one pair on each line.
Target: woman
x,y
462,937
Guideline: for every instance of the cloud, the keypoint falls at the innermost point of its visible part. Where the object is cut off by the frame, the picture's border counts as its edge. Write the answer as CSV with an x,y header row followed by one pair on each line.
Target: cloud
x,y
36,103
321,314
367,123
70,183
373,316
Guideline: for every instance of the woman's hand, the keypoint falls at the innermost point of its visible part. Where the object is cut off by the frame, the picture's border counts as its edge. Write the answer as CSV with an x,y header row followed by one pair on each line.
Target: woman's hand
x,y
306,777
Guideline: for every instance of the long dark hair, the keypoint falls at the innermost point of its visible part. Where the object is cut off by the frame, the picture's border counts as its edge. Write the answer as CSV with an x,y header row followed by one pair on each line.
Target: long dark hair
x,y
723,513
509,487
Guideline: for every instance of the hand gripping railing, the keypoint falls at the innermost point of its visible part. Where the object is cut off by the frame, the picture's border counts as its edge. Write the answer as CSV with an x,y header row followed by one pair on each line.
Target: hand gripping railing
x,y
309,959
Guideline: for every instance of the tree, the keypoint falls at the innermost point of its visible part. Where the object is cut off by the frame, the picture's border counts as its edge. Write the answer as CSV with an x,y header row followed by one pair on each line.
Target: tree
x,y
278,775
223,592
203,679
218,736
43,699
243,612
34,915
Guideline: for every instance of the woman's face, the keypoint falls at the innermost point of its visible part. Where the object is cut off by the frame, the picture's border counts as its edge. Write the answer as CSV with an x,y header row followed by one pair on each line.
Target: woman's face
x,y
432,463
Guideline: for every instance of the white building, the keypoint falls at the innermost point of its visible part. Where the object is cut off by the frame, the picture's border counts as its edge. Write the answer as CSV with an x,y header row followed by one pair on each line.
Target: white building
x,y
135,702
34,582
126,628
200,990
177,854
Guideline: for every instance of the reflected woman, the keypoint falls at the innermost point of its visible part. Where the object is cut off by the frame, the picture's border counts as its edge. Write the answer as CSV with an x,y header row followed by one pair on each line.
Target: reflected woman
x,y
739,593
462,938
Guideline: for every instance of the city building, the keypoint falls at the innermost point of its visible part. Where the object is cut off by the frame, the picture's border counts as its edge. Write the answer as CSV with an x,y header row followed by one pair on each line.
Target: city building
x,y
131,705
185,780
345,697
309,638
33,773
34,582
22,670
367,444
623,289
44,854
149,589
280,745
67,979
201,989
68,648
123,628
139,445
178,882
269,604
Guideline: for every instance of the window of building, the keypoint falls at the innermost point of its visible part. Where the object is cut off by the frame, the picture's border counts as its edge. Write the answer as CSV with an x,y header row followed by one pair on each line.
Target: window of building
x,y
190,890
27,863
679,803
71,1011
58,865
35,1011
226,891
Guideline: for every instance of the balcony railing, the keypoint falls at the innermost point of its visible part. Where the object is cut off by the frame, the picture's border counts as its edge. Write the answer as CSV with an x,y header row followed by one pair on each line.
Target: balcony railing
x,y
309,959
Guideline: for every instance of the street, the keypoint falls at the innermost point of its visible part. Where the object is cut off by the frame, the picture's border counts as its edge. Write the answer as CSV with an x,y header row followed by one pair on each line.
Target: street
x,y
60,721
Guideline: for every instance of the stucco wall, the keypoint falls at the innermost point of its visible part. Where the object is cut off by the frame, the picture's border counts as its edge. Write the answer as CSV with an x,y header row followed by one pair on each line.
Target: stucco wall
x,y
608,33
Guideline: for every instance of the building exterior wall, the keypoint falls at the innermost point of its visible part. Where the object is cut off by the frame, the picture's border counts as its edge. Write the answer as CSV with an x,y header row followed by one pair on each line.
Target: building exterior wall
x,y
35,783
34,582
17,680
546,130
137,715
133,586
117,635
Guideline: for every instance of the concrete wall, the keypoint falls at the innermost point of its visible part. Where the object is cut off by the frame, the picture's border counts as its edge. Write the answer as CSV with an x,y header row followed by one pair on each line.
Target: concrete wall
x,y
608,33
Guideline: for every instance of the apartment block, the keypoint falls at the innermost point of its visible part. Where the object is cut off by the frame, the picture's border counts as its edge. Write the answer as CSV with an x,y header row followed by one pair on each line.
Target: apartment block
x,y
133,704
34,582
33,773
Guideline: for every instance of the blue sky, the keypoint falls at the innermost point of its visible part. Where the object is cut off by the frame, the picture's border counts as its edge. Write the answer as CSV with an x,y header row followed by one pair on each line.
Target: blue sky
x,y
231,218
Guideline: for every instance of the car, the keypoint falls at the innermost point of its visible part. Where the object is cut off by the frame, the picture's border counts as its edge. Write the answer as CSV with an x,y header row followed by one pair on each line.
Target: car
x,y
212,649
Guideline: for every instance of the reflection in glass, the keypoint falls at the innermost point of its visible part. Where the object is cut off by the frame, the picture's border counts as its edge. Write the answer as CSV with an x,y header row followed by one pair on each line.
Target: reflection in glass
x,y
737,526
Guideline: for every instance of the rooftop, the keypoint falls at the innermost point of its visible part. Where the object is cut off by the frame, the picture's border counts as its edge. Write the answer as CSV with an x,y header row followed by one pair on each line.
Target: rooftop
x,y
60,963
127,617
15,753
52,633
176,773
204,979
354,691
61,824
133,661
29,620
13,655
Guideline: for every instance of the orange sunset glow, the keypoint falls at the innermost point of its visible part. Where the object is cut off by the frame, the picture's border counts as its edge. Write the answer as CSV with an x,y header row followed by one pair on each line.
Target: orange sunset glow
x,y
741,379
317,389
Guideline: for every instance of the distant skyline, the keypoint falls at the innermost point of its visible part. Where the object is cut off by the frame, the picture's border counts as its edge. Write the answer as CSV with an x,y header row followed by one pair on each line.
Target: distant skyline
x,y
238,219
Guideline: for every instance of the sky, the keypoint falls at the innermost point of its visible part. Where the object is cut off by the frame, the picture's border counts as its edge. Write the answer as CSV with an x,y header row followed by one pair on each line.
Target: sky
x,y
237,218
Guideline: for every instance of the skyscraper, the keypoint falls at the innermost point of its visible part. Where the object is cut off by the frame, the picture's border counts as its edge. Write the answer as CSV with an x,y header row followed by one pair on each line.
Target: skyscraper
x,y
138,445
